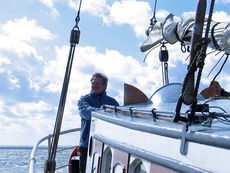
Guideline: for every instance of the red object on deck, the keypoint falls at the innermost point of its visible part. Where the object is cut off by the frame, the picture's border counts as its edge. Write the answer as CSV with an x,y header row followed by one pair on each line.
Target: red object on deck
x,y
76,152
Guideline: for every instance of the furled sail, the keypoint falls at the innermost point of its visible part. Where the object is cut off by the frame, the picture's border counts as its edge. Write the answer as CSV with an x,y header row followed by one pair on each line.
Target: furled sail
x,y
175,29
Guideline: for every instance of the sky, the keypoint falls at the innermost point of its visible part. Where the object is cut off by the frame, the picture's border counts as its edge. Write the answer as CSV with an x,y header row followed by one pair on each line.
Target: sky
x,y
34,48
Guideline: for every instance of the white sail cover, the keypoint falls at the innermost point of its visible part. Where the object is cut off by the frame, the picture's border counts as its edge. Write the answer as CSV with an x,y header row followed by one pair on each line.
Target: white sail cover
x,y
174,29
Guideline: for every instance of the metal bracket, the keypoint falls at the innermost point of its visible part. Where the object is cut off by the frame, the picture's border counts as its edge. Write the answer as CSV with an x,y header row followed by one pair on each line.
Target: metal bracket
x,y
154,114
131,111
184,142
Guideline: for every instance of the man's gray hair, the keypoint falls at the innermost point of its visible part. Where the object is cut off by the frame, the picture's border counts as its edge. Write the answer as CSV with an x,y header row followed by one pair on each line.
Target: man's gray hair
x,y
104,77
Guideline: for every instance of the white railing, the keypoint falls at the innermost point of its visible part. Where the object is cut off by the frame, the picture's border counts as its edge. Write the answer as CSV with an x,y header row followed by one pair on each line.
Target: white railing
x,y
35,147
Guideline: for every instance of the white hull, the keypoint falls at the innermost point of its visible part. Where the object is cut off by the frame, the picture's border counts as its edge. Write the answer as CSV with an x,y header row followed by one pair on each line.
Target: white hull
x,y
124,137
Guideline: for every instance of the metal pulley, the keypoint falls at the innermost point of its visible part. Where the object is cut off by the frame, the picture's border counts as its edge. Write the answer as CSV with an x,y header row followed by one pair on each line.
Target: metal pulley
x,y
163,54
75,33
75,36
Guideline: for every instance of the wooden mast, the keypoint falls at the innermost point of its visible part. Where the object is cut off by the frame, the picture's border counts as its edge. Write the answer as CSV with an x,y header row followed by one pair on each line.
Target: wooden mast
x,y
188,95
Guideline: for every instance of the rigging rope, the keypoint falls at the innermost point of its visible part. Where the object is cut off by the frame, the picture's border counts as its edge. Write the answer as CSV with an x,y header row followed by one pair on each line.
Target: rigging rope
x,y
215,65
50,164
154,14
152,20
200,58
200,48
221,68
197,62
202,55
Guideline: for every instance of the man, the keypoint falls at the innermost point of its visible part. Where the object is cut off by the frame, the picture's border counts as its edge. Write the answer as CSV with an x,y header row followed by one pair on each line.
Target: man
x,y
88,103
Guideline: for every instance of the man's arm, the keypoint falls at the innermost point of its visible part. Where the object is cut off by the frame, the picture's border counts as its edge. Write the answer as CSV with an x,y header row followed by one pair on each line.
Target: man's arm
x,y
85,109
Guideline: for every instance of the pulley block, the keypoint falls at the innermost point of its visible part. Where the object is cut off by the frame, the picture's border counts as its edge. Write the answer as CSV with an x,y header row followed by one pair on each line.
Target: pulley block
x,y
163,54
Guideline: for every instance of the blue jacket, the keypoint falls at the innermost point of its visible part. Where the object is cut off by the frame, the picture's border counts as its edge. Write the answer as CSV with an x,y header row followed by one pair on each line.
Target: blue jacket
x,y
87,104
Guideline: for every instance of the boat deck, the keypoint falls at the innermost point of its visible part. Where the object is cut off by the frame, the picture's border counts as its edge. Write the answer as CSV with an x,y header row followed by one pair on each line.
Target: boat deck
x,y
156,138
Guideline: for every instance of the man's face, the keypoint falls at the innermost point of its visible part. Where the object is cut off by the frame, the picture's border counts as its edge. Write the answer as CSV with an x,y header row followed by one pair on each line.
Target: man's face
x,y
97,85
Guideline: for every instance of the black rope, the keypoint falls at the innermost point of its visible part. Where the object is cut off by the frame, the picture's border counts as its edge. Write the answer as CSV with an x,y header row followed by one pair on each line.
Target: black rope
x,y
198,62
200,65
213,37
215,65
201,48
192,67
154,13
221,68
77,19
201,59
209,18
153,19
75,33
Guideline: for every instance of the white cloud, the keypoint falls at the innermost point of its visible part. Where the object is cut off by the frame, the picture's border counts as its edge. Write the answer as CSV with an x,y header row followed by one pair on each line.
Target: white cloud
x,y
134,13
1,106
221,16
223,1
162,14
26,109
3,62
188,13
19,47
54,70
27,131
97,8
24,29
50,5
30,119
218,16
17,34
13,80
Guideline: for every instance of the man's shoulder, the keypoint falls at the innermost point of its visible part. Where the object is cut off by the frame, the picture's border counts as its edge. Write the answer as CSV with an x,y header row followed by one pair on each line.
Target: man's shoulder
x,y
85,97
109,97
111,100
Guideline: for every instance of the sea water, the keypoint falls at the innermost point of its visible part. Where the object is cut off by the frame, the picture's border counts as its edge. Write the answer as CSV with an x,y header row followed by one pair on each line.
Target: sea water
x,y
14,159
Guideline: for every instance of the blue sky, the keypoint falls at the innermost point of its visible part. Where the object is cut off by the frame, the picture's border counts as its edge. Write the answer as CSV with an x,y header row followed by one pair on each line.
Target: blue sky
x,y
34,47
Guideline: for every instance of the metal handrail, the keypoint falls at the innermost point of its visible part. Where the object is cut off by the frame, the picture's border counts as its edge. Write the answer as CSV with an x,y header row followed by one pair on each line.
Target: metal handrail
x,y
131,109
33,153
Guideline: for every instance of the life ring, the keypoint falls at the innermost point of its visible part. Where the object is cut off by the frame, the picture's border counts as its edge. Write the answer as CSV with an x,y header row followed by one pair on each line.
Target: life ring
x,y
76,152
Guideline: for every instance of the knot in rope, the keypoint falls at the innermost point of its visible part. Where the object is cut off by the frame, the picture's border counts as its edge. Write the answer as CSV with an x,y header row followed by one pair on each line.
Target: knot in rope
x,y
198,46
203,44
